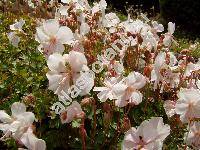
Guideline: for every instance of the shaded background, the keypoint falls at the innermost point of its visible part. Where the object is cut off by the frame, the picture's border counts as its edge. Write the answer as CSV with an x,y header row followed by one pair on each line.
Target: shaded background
x,y
185,13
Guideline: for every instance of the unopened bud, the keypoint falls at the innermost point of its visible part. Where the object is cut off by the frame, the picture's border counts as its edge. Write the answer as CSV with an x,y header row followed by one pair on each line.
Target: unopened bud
x,y
29,99
86,101
126,124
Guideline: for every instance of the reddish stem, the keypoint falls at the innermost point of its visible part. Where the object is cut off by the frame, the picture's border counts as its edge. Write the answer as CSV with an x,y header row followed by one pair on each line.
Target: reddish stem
x,y
83,133
94,122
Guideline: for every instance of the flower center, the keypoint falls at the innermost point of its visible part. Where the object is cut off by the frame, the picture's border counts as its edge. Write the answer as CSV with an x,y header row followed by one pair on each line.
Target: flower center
x,y
53,40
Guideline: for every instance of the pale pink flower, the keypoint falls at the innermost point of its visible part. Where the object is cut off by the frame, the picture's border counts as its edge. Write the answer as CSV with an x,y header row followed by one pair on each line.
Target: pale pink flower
x,y
136,27
157,27
191,67
29,140
164,73
16,124
65,69
101,6
52,36
63,10
148,136
169,107
72,112
127,90
111,20
188,104
13,39
192,138
168,39
17,26
59,75
107,91
149,41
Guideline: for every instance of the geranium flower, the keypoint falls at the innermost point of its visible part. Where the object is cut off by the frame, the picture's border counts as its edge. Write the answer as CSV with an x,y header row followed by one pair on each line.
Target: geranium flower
x,y
107,91
149,41
72,112
110,21
169,35
52,36
127,90
163,72
17,26
157,27
16,124
148,136
99,6
29,140
188,104
13,39
65,70
191,67
169,107
192,137
136,27
63,10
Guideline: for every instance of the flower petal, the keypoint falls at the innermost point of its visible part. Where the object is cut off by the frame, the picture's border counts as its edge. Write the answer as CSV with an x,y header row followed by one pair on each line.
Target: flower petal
x,y
51,27
77,60
18,108
56,62
4,117
65,35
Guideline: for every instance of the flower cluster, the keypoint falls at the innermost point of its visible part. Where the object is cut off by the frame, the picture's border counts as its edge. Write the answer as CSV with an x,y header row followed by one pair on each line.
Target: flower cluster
x,y
79,39
20,127
16,27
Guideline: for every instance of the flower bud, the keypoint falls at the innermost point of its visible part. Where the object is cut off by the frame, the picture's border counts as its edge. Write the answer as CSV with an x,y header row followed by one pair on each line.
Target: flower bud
x,y
29,100
126,124
86,101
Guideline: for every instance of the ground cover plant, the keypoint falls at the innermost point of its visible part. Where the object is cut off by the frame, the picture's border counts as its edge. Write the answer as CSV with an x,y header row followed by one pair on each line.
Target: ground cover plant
x,y
76,76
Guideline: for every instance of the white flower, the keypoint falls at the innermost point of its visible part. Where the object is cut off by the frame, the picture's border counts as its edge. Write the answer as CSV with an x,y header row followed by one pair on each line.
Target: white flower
x,y
31,141
163,71
188,104
16,124
169,36
17,26
52,37
58,75
99,6
95,8
191,68
157,27
84,28
65,69
169,107
13,39
63,10
111,20
103,4
193,137
127,90
107,91
136,27
149,41
77,61
72,112
30,4
148,136
85,82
